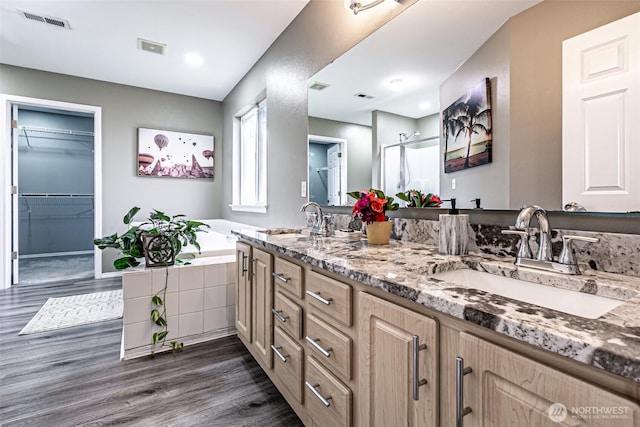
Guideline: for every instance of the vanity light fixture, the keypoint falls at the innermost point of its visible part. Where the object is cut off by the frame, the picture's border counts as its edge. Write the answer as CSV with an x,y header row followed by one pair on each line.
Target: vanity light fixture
x,y
359,5
396,85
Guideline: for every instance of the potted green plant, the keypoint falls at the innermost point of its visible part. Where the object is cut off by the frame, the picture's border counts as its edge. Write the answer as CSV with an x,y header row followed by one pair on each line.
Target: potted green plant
x,y
159,240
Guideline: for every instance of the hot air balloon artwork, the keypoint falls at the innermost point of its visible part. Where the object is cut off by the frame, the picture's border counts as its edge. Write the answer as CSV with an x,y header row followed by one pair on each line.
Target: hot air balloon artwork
x,y
163,153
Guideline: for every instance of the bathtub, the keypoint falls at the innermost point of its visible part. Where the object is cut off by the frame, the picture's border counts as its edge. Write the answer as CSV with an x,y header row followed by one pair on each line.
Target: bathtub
x,y
217,240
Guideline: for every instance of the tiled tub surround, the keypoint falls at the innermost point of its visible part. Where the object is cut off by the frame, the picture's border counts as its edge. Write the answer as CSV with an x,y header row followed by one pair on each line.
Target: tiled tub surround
x,y
403,268
614,253
200,303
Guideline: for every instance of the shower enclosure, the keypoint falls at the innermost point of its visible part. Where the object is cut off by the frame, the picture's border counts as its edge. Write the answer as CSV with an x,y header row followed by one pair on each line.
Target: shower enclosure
x,y
409,165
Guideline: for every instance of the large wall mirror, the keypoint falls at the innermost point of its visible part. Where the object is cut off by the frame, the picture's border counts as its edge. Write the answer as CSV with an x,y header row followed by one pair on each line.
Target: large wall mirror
x,y
382,100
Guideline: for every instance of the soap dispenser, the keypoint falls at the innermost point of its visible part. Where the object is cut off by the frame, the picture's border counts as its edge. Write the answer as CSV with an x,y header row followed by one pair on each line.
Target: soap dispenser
x,y
454,231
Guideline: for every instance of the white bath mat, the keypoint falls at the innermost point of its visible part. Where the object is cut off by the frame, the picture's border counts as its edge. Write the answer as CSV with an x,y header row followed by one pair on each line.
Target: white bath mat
x,y
76,310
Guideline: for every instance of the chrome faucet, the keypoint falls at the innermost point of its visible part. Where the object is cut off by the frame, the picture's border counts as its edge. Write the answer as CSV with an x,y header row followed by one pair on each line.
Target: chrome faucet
x,y
522,223
322,222
566,264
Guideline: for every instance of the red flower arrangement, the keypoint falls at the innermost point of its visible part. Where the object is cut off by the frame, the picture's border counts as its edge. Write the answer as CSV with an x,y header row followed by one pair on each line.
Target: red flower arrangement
x,y
371,205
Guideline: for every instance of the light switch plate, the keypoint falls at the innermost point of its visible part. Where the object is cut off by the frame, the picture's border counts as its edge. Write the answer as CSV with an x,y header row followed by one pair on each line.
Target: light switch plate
x,y
303,189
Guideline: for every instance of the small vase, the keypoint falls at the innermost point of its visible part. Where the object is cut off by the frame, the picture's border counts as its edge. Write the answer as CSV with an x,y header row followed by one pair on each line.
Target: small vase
x,y
378,233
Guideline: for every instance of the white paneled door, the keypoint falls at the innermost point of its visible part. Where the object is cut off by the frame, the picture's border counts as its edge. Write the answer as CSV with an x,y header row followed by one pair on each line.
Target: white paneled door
x,y
600,112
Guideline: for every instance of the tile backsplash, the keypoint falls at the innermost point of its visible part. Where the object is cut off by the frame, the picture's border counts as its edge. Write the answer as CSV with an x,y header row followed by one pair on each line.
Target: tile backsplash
x,y
614,253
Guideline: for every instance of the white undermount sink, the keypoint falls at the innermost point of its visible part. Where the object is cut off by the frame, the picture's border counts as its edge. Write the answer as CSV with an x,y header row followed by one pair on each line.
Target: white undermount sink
x,y
567,301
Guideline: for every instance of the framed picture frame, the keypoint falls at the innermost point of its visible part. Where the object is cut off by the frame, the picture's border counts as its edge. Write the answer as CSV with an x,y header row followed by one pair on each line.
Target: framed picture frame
x,y
466,129
164,153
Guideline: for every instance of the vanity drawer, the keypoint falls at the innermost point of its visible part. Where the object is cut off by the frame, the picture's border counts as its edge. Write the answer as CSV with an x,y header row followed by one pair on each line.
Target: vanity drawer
x,y
288,276
288,358
328,400
329,345
288,315
330,296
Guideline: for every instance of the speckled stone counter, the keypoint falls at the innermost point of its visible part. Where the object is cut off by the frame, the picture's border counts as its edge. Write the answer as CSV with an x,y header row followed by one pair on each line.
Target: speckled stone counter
x,y
611,342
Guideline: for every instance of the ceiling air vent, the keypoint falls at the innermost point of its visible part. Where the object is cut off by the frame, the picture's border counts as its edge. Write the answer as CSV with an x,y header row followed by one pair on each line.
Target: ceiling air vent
x,y
319,86
153,47
56,22
363,95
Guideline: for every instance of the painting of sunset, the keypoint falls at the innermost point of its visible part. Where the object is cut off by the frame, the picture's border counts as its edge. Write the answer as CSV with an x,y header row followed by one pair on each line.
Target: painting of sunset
x,y
466,127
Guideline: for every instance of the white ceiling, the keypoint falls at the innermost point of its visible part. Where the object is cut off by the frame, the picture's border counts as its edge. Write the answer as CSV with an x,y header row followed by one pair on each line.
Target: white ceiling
x,y
231,35
424,45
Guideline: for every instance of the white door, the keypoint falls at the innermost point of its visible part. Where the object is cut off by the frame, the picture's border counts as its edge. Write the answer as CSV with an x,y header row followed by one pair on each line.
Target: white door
x,y
600,111
15,207
334,164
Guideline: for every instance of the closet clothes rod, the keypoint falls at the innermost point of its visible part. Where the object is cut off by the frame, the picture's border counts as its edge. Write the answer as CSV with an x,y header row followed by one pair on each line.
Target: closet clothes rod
x,y
56,131
79,196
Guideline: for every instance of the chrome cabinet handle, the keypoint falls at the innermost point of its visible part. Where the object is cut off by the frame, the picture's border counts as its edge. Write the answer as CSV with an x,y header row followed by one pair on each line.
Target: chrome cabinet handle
x,y
280,277
279,315
325,401
417,382
460,372
319,298
276,350
318,347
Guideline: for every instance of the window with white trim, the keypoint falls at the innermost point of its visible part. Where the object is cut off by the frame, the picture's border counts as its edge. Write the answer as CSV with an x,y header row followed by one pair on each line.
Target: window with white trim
x,y
250,161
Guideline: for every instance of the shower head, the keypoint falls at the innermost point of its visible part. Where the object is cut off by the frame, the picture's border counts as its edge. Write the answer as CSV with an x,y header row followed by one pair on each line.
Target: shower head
x,y
405,137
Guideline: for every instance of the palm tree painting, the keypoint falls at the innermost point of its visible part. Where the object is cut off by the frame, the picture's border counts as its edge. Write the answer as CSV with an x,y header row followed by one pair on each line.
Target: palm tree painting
x,y
466,126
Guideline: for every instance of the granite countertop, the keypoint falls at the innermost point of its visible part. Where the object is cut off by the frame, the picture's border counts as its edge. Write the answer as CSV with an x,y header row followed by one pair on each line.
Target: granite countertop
x,y
611,342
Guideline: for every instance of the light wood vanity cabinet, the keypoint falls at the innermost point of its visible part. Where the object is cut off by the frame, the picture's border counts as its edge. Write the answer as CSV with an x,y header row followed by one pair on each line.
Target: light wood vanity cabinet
x,y
357,356
398,365
504,388
254,300
243,291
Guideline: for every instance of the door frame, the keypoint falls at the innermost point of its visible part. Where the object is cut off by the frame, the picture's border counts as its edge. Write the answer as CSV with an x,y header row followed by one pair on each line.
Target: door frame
x,y
6,197
343,161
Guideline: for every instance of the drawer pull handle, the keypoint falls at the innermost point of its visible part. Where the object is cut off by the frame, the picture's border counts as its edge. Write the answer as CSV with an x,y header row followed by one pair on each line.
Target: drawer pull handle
x,y
276,350
325,401
417,382
280,277
279,315
319,298
460,372
318,347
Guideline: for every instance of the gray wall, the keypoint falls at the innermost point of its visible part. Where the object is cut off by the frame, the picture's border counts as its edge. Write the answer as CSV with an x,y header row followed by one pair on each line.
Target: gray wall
x,y
358,148
320,33
488,182
124,109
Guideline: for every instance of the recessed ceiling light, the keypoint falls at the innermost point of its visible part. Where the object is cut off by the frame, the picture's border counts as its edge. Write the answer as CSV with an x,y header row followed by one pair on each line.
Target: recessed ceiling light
x,y
194,59
396,85
425,105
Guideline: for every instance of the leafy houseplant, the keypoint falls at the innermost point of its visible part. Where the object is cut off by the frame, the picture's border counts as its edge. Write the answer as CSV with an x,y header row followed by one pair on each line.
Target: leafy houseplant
x,y
170,234
415,199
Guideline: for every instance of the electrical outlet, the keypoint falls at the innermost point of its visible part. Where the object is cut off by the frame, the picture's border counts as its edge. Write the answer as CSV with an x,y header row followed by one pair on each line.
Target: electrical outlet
x,y
303,189
453,184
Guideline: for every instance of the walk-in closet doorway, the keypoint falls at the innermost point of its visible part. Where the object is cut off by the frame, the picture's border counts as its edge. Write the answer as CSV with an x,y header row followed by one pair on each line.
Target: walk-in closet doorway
x,y
55,181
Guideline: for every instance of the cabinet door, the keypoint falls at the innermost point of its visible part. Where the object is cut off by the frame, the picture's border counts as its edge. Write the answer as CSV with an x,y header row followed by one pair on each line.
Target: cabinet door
x,y
388,374
262,299
507,389
243,291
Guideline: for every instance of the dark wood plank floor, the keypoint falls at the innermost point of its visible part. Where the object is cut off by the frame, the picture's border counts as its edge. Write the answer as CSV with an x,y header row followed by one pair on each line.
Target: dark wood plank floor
x,y
73,377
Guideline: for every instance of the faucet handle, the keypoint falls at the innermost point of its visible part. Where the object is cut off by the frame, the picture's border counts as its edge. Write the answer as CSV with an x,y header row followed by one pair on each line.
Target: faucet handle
x,y
524,250
327,221
567,255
